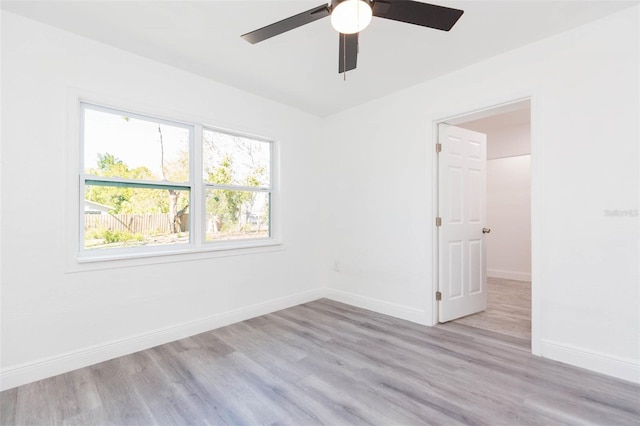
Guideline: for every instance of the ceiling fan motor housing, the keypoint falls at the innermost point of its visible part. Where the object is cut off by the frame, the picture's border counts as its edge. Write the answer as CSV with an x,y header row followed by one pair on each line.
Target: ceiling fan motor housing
x,y
350,16
334,3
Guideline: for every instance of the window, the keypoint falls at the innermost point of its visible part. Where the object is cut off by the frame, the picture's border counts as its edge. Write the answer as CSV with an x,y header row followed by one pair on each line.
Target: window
x,y
237,176
139,186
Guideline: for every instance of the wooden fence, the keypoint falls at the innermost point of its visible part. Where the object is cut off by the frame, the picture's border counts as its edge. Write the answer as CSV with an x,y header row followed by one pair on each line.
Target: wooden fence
x,y
145,224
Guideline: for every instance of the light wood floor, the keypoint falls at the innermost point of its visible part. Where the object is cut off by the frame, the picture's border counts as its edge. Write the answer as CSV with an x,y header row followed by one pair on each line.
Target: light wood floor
x,y
328,363
508,309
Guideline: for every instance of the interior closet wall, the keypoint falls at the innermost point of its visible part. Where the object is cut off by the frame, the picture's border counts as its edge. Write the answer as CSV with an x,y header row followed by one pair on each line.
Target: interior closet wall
x,y
508,193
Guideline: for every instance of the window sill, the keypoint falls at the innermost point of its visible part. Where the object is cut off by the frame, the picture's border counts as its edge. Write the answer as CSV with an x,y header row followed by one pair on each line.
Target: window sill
x,y
98,261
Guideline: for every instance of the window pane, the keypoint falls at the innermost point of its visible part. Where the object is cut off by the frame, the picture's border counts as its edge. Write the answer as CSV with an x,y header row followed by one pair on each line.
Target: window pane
x,y
116,145
235,215
235,160
117,216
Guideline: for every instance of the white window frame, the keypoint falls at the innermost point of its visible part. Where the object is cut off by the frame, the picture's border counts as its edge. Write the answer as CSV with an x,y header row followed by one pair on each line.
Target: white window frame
x,y
198,247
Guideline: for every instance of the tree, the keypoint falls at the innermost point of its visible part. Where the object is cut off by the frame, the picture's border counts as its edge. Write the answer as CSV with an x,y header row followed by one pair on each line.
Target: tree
x,y
224,203
178,169
122,199
229,205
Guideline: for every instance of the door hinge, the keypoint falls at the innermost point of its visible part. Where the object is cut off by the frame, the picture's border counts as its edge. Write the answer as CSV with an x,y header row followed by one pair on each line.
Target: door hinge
x,y
438,147
438,221
438,296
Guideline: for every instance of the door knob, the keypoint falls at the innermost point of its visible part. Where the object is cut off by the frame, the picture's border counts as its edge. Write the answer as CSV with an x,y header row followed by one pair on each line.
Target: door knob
x,y
486,230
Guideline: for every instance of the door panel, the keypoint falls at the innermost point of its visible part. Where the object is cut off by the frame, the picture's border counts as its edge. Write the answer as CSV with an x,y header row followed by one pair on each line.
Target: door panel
x,y
475,265
462,169
455,269
455,194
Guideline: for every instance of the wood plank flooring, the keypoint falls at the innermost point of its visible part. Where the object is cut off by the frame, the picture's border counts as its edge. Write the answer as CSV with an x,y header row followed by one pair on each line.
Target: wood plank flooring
x,y
328,363
508,309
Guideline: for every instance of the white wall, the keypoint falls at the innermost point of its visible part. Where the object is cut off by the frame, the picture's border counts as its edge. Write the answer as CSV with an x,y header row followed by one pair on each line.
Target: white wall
x,y
508,246
54,319
509,217
585,159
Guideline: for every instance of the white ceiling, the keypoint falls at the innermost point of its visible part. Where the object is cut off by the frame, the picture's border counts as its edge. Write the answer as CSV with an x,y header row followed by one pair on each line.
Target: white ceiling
x,y
299,68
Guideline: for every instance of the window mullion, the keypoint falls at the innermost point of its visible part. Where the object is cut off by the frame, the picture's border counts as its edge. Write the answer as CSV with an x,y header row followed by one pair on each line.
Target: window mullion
x,y
198,194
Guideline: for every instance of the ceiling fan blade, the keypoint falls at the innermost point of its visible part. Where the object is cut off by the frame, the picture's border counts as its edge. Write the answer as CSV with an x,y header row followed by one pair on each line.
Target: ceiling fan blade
x,y
287,24
413,12
348,52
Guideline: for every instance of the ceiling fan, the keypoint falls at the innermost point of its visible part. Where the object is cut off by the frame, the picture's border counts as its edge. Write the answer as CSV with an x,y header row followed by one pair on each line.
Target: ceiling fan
x,y
349,17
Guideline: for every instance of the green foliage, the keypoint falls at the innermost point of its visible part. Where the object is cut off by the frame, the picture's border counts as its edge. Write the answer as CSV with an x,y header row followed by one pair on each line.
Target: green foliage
x,y
134,200
225,204
254,179
228,205
110,236
124,200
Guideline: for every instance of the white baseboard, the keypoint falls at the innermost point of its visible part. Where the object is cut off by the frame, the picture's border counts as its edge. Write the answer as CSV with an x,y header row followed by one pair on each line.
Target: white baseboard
x,y
41,369
624,369
383,307
509,275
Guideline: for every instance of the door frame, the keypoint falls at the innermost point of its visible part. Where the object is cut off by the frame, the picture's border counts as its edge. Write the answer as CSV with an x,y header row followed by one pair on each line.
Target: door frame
x,y
476,112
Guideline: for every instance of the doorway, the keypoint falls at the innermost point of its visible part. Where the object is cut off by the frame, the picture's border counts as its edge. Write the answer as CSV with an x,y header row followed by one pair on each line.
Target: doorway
x,y
506,238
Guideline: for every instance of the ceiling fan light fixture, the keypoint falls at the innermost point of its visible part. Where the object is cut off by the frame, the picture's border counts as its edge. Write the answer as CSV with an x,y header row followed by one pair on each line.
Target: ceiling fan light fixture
x,y
351,16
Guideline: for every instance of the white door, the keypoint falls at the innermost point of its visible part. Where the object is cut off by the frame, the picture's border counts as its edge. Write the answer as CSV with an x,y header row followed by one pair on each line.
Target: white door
x,y
462,206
